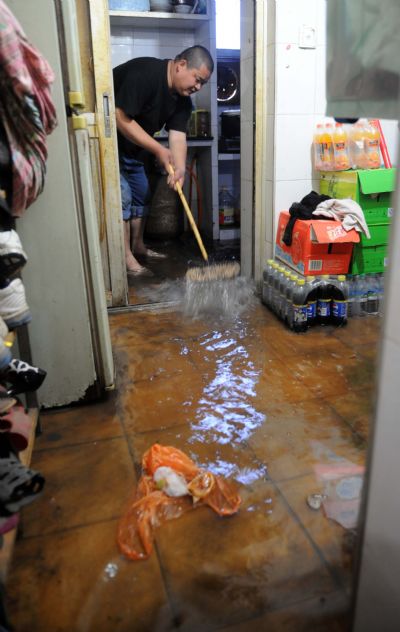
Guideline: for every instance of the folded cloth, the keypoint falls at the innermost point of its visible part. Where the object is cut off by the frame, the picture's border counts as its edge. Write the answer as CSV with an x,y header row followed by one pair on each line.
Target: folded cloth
x,y
346,211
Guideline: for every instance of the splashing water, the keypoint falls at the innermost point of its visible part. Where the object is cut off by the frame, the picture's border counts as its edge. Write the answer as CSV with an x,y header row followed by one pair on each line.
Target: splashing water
x,y
227,298
224,298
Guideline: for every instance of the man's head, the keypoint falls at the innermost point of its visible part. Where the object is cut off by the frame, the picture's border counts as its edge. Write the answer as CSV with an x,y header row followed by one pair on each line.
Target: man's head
x,y
192,68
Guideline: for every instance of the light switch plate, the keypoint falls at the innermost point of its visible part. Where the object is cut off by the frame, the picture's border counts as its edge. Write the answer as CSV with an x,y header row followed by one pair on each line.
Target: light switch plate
x,y
307,36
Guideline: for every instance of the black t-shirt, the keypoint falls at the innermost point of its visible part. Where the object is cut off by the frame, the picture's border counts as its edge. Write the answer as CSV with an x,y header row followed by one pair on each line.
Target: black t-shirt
x,y
141,91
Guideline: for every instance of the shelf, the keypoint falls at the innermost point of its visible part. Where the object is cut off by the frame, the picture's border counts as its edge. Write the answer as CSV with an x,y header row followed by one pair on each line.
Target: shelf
x,y
228,156
146,19
231,232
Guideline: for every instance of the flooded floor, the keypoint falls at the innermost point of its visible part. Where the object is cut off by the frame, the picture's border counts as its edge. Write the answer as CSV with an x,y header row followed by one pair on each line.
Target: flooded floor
x,y
247,400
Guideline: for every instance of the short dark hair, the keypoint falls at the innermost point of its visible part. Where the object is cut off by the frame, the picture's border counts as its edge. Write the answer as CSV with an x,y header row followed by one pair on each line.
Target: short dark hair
x,y
196,56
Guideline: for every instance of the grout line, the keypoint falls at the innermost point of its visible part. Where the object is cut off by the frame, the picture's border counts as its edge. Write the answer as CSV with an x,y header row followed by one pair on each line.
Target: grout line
x,y
74,527
73,445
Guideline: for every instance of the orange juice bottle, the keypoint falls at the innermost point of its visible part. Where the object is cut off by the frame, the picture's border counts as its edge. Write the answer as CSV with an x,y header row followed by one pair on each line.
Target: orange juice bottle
x,y
357,149
341,159
327,148
371,147
317,147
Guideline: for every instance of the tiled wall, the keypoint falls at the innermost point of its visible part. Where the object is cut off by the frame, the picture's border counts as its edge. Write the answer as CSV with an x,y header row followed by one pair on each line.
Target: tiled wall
x,y
299,99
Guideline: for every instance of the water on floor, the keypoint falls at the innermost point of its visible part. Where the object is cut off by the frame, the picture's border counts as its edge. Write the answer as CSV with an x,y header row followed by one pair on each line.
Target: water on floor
x,y
245,399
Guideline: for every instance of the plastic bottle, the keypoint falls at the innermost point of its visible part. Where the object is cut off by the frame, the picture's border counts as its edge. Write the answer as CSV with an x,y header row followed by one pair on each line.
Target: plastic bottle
x,y
267,282
356,145
352,300
340,295
371,147
372,295
327,148
341,158
300,306
282,294
275,289
324,301
226,205
312,295
362,295
381,285
290,287
317,147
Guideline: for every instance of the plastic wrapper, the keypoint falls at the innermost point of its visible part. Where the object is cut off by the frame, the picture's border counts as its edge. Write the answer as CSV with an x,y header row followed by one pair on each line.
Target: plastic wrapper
x,y
150,507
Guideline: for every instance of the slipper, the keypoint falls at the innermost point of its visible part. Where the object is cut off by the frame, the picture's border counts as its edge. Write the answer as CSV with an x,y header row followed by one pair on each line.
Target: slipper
x,y
18,426
152,254
142,272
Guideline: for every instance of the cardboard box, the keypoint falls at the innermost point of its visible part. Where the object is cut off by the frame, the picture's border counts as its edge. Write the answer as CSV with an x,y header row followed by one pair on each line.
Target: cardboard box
x,y
318,246
369,260
379,236
371,188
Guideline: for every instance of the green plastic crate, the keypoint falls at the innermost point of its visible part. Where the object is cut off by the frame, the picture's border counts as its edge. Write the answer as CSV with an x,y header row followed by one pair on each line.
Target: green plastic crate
x,y
379,236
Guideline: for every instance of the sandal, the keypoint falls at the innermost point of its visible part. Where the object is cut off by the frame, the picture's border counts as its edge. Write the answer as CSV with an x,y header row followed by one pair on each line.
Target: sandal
x,y
23,377
18,426
19,485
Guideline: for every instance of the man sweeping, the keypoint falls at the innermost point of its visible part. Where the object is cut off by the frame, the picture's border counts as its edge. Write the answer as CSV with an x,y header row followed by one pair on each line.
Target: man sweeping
x,y
151,93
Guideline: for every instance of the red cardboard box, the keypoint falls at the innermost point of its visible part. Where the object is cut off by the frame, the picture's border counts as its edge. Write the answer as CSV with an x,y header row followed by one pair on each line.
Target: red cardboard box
x,y
318,246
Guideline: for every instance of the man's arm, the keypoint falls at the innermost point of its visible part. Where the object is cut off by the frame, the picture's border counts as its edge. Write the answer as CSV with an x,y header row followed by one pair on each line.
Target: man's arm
x,y
136,134
178,147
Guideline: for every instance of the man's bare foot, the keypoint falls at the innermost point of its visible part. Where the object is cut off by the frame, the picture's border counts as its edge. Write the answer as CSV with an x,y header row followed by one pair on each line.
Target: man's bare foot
x,y
132,264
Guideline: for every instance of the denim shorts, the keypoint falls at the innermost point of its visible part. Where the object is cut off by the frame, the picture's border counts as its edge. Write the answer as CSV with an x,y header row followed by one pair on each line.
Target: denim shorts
x,y
135,189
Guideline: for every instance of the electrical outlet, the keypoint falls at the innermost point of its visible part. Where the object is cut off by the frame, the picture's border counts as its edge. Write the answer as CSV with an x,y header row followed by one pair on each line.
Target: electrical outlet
x,y
307,36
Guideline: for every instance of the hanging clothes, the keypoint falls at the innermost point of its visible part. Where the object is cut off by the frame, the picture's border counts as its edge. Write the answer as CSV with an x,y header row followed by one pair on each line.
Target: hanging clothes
x,y
26,109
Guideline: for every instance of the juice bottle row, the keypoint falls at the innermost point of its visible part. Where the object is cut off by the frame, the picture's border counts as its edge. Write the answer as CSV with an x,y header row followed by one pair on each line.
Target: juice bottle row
x,y
302,302
337,147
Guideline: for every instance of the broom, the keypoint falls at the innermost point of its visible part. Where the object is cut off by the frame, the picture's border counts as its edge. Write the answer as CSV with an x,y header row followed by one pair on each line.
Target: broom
x,y
210,272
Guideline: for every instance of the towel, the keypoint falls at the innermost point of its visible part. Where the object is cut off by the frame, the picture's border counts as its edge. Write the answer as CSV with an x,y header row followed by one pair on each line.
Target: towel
x,y
346,211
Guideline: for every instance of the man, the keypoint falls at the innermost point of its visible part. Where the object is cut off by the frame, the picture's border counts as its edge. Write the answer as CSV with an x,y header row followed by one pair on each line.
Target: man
x,y
151,93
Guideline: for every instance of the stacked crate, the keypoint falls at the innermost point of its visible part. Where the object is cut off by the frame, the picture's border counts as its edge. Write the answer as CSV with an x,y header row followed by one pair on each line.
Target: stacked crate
x,y
372,189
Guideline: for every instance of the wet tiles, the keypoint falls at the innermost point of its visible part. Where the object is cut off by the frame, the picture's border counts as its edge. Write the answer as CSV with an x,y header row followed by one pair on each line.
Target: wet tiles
x,y
77,581
245,399
222,570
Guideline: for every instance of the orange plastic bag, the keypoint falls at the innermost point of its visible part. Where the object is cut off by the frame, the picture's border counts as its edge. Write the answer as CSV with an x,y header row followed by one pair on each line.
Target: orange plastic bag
x,y
150,507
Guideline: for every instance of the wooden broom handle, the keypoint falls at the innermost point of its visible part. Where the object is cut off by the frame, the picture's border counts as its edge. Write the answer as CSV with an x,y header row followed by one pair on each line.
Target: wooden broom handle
x,y
189,215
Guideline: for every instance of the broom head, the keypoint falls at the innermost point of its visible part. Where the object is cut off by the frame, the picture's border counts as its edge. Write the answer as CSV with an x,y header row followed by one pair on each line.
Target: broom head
x,y
214,272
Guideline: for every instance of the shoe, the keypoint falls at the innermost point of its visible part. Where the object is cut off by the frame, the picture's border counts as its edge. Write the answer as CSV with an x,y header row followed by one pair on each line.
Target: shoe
x,y
3,329
13,306
142,272
23,377
12,255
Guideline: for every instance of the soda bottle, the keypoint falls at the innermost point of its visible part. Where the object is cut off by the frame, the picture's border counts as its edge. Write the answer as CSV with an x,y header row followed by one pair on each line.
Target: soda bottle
x,y
282,294
226,205
356,144
381,292
340,295
317,147
267,282
340,148
324,301
371,147
327,148
292,282
275,288
312,295
300,306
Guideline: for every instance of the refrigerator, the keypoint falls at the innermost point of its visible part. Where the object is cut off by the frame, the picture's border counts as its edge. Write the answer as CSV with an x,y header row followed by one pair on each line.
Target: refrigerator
x,y
63,278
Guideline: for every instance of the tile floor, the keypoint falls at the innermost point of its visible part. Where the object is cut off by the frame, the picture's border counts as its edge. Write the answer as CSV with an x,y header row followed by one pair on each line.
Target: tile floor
x,y
249,401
